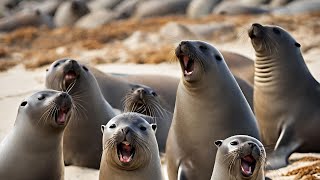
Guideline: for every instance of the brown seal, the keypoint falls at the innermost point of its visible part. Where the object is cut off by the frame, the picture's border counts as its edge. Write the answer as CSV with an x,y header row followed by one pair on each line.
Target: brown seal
x,y
130,149
209,105
239,157
286,95
82,137
146,101
33,148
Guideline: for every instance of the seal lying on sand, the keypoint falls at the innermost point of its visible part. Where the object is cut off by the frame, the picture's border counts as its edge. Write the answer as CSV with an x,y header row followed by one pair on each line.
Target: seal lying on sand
x,y
130,150
82,137
286,95
33,149
209,105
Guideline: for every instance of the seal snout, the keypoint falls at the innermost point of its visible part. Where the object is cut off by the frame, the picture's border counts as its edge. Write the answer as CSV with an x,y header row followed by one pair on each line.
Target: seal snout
x,y
125,149
64,104
187,63
248,162
255,30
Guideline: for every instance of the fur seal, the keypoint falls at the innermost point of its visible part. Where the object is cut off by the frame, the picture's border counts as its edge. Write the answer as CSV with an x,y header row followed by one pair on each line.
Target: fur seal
x,y
299,7
82,138
36,138
209,105
286,95
69,12
130,149
199,8
146,101
239,157
232,8
33,18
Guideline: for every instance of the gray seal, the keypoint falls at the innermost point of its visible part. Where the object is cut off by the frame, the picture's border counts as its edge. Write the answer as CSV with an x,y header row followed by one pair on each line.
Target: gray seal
x,y
209,106
130,149
239,157
33,148
82,137
286,95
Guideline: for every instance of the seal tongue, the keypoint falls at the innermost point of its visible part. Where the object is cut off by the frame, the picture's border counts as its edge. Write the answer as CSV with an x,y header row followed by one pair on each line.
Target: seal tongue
x,y
247,165
61,117
126,152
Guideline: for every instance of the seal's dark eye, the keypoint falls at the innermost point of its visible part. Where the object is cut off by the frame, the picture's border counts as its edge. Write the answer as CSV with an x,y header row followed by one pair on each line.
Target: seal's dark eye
x,y
41,97
203,47
56,65
297,44
234,143
218,57
85,68
112,126
154,94
47,70
143,128
24,103
275,30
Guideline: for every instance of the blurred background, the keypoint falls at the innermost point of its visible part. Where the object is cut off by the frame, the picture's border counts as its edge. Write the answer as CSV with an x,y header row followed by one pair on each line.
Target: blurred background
x,y
139,36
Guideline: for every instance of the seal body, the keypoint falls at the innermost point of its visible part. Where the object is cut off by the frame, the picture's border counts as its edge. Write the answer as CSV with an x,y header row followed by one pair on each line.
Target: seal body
x,y
33,148
146,101
130,149
91,112
286,96
239,157
206,96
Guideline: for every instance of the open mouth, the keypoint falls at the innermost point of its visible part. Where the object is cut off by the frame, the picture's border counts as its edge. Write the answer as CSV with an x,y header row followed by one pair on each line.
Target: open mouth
x,y
69,78
248,164
125,152
188,65
61,116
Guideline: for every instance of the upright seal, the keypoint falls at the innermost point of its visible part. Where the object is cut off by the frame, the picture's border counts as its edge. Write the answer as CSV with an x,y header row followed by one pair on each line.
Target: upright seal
x,y
82,138
33,148
239,157
130,150
286,96
146,101
209,105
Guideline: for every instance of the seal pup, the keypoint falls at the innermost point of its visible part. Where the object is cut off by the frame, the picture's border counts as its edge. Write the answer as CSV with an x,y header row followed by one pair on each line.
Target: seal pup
x,y
146,101
33,148
130,149
286,95
69,12
82,137
239,157
209,105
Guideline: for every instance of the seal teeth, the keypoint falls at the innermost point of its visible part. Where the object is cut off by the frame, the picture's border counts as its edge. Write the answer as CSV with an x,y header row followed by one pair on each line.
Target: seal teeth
x,y
248,164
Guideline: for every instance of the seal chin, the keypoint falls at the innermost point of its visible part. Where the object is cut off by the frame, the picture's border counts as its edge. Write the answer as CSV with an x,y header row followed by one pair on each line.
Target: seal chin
x,y
61,116
247,165
126,152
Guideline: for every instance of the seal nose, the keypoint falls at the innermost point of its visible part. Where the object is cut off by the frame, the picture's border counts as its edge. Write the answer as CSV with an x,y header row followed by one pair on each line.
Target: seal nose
x,y
257,25
63,95
252,145
254,30
71,61
125,130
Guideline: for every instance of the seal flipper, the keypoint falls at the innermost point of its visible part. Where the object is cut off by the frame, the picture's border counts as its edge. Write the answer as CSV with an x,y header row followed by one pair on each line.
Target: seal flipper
x,y
286,145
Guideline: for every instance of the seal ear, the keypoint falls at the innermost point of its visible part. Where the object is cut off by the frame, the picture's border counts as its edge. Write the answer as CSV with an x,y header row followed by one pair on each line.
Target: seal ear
x,y
154,127
102,128
218,143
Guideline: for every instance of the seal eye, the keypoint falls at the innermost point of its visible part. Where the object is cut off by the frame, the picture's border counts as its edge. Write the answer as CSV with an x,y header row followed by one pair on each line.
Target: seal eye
x,y
112,126
24,103
276,31
234,143
218,57
297,44
47,70
143,128
154,94
203,47
41,97
85,68
56,65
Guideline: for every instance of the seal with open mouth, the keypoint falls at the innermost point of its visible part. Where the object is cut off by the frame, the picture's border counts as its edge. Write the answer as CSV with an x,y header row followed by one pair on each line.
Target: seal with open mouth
x,y
91,111
239,157
130,150
209,105
33,148
286,95
145,100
